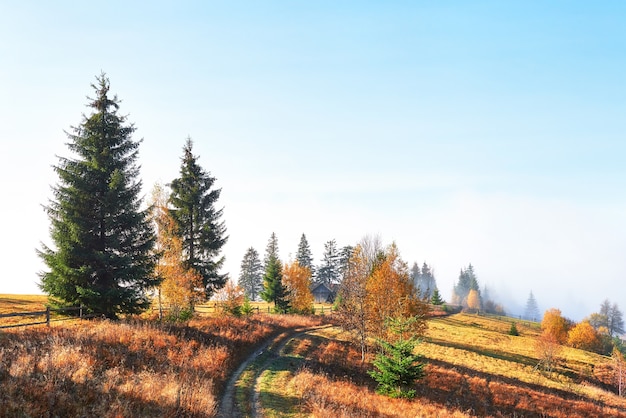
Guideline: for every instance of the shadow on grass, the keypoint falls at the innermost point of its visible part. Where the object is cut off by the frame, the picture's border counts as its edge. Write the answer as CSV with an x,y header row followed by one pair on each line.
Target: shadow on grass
x,y
463,394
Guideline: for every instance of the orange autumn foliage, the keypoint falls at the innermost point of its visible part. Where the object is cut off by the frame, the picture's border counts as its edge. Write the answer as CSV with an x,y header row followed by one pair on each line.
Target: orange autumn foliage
x,y
585,337
297,281
473,300
390,293
179,284
555,325
231,297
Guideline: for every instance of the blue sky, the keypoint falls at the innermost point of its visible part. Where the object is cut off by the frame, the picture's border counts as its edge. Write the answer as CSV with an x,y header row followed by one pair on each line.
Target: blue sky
x,y
482,132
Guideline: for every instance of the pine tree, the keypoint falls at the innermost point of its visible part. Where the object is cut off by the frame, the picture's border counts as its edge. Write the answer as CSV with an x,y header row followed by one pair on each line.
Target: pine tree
x,y
271,250
344,260
273,288
614,317
203,233
424,280
102,239
251,275
398,367
436,298
532,310
304,255
467,281
328,272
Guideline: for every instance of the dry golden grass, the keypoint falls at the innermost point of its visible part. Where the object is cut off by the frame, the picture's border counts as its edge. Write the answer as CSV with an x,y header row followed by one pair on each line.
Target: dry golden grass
x,y
334,383
22,303
325,396
123,369
10,304
474,369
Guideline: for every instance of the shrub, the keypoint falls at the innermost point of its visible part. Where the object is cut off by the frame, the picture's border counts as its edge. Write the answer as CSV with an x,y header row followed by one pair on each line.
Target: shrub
x,y
247,309
513,331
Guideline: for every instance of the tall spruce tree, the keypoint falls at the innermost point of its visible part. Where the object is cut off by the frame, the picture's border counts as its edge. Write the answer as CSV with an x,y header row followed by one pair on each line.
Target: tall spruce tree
x,y
101,257
467,282
251,275
273,288
330,269
424,280
344,260
532,310
304,255
194,200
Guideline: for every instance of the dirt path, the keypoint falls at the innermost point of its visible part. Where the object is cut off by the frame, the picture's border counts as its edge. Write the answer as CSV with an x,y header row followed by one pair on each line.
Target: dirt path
x,y
228,406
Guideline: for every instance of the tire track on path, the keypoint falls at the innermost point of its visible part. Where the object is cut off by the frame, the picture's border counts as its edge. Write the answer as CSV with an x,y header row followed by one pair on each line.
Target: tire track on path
x,y
228,407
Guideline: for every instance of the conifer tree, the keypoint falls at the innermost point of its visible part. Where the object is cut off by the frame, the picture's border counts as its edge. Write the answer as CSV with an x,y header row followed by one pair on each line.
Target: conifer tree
x,y
398,367
532,310
436,298
344,260
101,257
194,200
271,250
251,275
424,280
467,282
329,271
273,288
304,257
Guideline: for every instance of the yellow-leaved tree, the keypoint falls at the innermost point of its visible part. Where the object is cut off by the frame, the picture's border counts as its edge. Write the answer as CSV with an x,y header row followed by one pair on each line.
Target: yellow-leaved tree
x,y
473,300
351,299
390,293
179,285
231,298
585,337
297,281
555,325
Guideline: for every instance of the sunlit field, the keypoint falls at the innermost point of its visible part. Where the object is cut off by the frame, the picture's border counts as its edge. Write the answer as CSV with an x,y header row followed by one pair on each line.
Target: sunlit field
x,y
128,368
22,303
474,369
146,368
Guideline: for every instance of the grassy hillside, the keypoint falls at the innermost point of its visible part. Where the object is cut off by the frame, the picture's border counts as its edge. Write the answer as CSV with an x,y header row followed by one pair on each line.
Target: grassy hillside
x,y
474,369
22,303
127,368
146,368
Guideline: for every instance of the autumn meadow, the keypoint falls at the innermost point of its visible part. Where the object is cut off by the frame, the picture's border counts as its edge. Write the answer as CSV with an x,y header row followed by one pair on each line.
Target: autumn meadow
x,y
142,367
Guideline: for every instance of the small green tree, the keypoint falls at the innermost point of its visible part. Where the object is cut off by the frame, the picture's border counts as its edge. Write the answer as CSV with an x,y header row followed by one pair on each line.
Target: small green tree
x,y
397,366
513,331
436,298
273,288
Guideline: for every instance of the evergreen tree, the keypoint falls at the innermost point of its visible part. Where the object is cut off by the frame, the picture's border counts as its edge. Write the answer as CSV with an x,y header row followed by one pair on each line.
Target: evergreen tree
x,y
102,239
462,288
398,367
273,288
416,273
344,260
304,257
251,275
203,233
424,280
532,310
614,317
328,272
271,251
436,298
